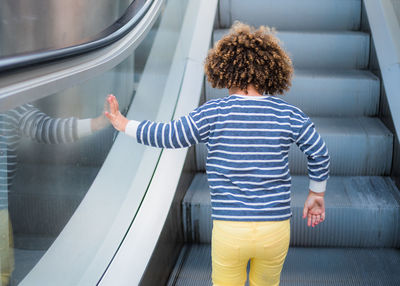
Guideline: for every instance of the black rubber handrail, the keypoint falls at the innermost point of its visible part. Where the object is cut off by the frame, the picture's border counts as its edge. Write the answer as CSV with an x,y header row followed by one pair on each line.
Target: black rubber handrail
x,y
133,14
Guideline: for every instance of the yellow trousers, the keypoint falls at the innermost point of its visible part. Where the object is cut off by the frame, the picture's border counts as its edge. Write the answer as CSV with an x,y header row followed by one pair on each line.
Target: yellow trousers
x,y
6,248
234,243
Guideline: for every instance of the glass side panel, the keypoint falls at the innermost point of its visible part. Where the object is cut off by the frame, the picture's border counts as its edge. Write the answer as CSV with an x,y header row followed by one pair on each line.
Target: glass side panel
x,y
51,151
66,174
396,9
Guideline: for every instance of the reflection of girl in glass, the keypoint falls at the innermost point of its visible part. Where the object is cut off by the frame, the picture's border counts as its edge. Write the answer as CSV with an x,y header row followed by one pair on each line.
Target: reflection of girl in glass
x,y
27,120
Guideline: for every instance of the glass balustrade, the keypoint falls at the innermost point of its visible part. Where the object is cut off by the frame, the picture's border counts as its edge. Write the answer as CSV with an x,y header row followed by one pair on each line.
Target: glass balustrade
x,y
70,184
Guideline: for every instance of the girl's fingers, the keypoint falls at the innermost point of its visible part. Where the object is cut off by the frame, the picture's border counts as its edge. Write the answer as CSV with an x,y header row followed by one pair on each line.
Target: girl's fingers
x,y
317,219
305,212
111,100
110,104
107,114
110,116
116,103
309,220
115,107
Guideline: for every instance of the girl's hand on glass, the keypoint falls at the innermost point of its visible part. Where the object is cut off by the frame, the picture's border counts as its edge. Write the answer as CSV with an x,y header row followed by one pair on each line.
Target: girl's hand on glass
x,y
314,208
114,115
101,121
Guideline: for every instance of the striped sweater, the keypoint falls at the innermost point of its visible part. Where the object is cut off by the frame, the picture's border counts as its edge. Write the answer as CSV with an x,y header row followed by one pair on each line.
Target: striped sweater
x,y
248,140
27,120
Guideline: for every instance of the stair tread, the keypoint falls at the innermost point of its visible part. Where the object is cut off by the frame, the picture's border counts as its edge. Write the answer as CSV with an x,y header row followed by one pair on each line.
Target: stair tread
x,y
327,49
361,211
370,126
306,266
336,73
218,33
305,14
342,191
320,73
357,146
324,92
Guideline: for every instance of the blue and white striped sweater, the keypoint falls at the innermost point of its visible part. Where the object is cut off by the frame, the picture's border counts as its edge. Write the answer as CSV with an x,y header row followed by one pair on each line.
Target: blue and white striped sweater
x,y
248,140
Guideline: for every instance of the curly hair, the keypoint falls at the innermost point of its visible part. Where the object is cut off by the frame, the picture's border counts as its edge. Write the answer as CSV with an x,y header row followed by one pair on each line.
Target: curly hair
x,y
248,56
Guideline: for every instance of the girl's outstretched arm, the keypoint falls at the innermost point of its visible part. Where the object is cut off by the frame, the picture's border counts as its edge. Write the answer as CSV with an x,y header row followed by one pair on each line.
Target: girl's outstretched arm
x,y
179,133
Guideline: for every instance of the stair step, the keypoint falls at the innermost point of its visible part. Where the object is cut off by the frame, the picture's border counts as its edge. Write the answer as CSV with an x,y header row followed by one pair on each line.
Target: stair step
x,y
304,267
357,146
321,50
303,15
349,93
360,212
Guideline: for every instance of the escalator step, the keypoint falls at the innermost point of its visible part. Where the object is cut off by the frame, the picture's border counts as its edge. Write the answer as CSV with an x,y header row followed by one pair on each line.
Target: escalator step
x,y
303,15
359,146
360,212
326,50
349,93
305,267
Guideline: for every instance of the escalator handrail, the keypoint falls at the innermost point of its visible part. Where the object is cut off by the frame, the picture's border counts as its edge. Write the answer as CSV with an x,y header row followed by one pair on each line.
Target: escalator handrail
x,y
132,15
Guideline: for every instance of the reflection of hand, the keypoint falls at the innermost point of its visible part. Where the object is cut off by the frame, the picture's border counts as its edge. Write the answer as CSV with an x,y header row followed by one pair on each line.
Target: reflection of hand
x,y
314,208
101,121
116,118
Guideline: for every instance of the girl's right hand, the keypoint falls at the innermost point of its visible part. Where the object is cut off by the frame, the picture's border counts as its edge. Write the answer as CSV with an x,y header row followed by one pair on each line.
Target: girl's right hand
x,y
314,208
116,118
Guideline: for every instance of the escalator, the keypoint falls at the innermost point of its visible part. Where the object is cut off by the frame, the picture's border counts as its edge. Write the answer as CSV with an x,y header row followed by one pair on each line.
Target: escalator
x,y
336,86
103,210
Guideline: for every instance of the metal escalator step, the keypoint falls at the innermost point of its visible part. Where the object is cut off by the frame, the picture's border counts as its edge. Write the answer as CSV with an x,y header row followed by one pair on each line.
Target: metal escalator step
x,y
321,50
349,93
303,15
359,146
360,212
307,266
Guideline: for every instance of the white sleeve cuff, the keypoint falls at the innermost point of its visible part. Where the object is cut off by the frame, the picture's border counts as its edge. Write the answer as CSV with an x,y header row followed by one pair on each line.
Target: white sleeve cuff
x,y
131,128
84,127
318,187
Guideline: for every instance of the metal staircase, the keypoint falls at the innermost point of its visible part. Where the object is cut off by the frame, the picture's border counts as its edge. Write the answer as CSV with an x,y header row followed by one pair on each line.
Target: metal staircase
x,y
358,243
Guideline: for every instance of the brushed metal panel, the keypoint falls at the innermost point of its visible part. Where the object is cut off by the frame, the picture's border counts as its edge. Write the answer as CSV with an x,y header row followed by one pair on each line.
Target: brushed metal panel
x,y
327,49
51,24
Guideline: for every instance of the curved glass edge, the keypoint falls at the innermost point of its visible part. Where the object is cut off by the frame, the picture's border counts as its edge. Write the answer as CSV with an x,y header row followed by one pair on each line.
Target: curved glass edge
x,y
145,230
94,232
109,35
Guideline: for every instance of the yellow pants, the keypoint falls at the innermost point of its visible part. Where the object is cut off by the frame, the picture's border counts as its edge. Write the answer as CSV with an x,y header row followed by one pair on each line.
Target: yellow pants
x,y
6,248
234,243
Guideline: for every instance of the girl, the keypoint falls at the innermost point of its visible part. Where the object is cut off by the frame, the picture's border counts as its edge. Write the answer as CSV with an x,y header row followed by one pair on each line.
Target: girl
x,y
248,136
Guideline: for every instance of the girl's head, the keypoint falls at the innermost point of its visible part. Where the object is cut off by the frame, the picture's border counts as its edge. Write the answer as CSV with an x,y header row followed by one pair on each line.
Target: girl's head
x,y
247,56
